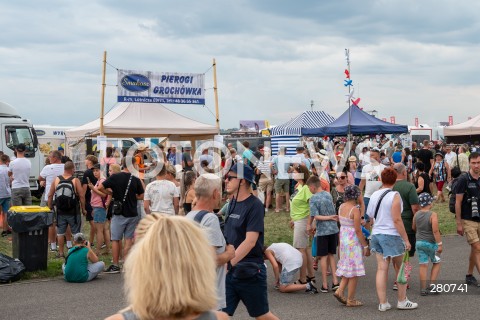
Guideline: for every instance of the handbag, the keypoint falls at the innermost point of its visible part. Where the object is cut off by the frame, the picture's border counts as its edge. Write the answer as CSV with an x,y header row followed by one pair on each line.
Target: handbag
x,y
117,208
405,269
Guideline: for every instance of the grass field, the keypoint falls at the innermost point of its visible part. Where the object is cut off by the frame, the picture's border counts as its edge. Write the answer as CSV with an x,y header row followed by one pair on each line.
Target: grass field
x,y
276,230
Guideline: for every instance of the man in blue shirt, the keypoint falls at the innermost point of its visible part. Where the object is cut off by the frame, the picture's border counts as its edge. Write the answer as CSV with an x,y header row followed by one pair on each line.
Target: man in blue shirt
x,y
246,279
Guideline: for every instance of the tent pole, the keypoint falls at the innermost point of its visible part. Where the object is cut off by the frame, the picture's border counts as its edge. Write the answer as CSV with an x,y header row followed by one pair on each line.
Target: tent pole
x,y
217,116
102,108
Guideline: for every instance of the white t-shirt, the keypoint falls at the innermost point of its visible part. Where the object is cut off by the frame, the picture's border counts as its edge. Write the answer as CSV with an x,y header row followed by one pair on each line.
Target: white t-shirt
x,y
49,173
216,239
384,222
288,256
449,157
20,168
364,158
161,194
372,175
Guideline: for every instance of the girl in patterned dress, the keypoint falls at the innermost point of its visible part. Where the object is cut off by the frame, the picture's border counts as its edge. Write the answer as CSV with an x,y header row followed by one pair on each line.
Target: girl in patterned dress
x,y
353,246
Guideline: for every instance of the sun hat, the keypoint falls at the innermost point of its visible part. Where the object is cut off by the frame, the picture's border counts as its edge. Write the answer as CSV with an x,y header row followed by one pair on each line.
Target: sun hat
x,y
352,159
142,147
425,199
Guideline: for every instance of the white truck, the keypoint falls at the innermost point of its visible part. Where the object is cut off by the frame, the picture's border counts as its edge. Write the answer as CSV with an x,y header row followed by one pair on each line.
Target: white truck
x,y
16,130
50,138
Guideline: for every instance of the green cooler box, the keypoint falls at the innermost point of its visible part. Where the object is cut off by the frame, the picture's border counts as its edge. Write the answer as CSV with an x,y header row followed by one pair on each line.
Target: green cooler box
x,y
30,235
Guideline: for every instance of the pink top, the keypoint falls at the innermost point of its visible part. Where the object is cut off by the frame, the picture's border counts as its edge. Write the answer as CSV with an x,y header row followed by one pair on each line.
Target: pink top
x,y
96,200
108,160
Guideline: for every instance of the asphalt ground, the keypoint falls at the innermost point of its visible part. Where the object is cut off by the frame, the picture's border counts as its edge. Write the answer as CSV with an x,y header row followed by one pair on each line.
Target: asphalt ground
x,y
56,299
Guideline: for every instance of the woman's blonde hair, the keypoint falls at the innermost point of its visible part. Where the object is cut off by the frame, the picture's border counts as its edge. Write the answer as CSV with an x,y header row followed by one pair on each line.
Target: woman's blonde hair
x,y
170,271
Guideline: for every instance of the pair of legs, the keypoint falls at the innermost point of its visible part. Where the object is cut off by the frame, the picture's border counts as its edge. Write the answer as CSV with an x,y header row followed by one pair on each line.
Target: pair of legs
x,y
325,262
287,282
350,284
4,206
21,197
382,278
89,219
122,228
440,195
427,252
300,242
423,271
307,266
471,231
282,187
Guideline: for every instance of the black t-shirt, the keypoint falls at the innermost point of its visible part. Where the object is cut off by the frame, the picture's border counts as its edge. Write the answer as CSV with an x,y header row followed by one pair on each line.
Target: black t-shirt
x,y
186,157
425,156
118,183
246,216
463,182
88,195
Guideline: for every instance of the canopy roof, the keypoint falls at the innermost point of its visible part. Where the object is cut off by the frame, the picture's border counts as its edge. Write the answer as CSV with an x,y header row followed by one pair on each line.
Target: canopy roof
x,y
307,119
467,128
144,120
360,123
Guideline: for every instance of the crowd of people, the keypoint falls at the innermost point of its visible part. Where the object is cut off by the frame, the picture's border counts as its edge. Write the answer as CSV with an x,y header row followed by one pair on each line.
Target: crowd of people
x,y
346,202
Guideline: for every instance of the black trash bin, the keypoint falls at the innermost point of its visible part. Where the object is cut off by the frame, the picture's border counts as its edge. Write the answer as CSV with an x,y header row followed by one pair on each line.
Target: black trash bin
x,y
30,235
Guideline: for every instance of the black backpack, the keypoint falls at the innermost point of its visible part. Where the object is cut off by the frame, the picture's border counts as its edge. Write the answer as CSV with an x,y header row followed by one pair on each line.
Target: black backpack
x,y
65,197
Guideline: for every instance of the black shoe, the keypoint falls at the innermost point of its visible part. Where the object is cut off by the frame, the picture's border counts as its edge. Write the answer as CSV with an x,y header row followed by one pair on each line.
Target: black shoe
x,y
113,269
335,286
312,289
324,290
4,233
471,280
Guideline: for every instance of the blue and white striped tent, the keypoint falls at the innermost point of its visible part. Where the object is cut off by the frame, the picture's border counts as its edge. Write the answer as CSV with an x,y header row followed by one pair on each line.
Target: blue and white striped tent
x,y
289,134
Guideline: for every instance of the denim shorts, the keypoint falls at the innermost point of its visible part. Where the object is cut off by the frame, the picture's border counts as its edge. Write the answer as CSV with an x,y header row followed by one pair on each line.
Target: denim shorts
x,y
99,215
387,245
287,277
426,251
252,292
5,204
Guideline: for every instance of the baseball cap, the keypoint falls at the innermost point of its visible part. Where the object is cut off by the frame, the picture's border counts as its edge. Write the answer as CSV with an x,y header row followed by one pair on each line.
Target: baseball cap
x,y
339,154
247,173
21,147
425,199
79,237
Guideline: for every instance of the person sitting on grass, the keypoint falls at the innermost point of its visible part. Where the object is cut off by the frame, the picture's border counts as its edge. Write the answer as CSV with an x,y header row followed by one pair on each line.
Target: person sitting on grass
x,y
81,264
286,261
429,242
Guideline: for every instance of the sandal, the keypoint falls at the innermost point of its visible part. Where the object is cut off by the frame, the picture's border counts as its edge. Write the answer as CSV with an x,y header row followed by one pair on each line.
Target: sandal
x,y
340,298
311,279
300,282
354,303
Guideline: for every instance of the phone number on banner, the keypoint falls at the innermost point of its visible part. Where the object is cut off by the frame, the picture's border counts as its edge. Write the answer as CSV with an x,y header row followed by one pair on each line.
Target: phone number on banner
x,y
160,100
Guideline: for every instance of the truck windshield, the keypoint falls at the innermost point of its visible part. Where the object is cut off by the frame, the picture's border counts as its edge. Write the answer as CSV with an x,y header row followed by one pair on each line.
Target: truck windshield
x,y
20,134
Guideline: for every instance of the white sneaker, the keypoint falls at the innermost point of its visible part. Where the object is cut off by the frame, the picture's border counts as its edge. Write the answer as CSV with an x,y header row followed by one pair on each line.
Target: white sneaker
x,y
407,305
384,306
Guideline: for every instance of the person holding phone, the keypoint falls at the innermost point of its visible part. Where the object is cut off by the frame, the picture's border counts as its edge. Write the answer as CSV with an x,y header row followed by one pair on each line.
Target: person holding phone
x,y
81,264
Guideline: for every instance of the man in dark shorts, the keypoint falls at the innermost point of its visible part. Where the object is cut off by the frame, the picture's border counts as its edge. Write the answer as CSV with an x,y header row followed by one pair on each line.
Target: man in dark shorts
x,y
88,177
246,279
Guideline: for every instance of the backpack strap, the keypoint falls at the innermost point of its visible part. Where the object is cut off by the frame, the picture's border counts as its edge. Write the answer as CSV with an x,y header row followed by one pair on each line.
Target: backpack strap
x,y
380,201
199,216
74,250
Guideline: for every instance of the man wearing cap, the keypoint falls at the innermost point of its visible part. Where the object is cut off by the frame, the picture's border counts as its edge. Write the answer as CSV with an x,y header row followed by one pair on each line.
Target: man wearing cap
x,y
81,264
246,279
371,176
19,169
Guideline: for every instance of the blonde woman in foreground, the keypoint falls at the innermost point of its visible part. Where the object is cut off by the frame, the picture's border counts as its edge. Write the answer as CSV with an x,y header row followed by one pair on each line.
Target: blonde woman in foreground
x,y
159,283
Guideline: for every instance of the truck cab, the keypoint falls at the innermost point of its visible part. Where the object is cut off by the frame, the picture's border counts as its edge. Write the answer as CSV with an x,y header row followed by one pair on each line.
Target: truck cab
x,y
16,130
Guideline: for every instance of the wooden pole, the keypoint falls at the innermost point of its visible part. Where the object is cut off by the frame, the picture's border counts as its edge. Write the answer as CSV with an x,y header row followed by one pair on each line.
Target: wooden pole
x,y
102,108
217,115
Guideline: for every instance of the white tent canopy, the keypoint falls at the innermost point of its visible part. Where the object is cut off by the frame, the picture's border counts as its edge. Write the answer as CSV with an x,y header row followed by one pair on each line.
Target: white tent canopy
x,y
144,120
467,128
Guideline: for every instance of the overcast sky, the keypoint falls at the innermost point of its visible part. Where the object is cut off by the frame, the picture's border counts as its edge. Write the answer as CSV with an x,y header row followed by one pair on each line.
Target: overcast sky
x,y
409,58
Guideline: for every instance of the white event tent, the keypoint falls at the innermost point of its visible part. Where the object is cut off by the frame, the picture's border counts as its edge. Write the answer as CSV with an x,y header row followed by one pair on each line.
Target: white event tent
x,y
144,120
